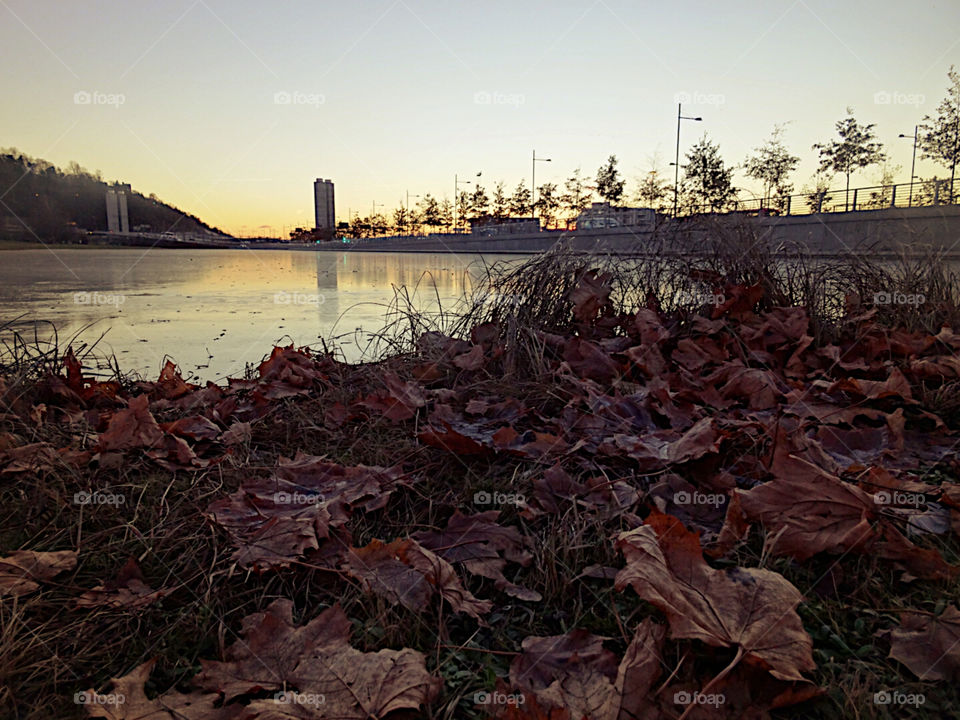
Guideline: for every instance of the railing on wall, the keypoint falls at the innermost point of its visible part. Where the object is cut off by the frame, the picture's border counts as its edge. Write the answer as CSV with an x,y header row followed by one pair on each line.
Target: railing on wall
x,y
921,193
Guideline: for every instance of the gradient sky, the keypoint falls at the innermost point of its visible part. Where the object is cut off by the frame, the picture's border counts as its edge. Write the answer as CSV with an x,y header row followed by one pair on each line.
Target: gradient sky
x,y
389,95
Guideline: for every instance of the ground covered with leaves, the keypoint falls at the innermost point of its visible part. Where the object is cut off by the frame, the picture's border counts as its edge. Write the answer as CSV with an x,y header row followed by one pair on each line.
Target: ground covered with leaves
x,y
731,511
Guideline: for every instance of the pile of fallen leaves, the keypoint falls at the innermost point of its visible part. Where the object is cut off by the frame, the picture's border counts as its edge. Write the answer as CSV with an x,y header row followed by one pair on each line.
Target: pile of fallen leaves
x,y
675,516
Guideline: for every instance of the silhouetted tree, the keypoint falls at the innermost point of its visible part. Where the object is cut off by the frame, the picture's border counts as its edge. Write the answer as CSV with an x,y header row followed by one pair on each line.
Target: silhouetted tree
x,y
520,200
479,202
771,165
609,183
940,134
856,148
500,205
547,204
707,180
576,196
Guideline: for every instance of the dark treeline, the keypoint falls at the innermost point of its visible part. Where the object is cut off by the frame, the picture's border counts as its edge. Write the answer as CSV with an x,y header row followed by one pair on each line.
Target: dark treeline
x,y
46,202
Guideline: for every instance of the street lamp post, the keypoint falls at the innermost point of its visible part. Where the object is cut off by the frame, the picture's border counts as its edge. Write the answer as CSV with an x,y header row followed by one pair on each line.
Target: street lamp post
x,y
533,183
913,161
676,162
456,189
408,199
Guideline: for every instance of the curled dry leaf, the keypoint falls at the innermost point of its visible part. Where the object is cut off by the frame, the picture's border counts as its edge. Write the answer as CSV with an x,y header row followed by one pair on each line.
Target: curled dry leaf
x,y
483,547
127,590
752,610
22,570
406,573
929,646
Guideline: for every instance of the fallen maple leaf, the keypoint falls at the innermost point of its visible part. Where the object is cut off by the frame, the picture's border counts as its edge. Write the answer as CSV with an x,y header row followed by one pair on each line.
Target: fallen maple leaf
x,y
406,573
21,569
132,427
128,701
483,547
929,646
127,590
810,513
316,660
750,609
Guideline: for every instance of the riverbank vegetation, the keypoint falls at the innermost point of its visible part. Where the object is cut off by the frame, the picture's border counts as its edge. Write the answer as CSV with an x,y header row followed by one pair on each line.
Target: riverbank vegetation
x,y
716,486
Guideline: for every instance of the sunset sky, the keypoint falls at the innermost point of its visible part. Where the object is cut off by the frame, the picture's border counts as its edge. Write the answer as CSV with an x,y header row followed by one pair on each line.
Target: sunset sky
x,y
230,110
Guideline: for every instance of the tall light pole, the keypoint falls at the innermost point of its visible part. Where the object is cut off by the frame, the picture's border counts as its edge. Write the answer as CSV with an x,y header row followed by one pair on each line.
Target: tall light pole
x,y
408,199
456,189
913,161
533,183
676,162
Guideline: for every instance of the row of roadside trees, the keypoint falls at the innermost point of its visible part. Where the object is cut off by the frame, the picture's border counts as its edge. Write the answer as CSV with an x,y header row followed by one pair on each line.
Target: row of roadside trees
x,y
707,179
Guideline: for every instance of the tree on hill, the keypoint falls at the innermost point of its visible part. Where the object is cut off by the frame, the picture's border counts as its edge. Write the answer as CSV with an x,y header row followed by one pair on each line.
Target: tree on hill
x,y
56,204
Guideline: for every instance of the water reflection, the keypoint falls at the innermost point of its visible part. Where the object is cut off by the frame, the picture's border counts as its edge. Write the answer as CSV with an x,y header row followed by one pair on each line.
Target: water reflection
x,y
213,311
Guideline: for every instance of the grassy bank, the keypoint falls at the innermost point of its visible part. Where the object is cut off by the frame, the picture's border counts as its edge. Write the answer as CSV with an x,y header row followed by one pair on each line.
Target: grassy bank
x,y
699,488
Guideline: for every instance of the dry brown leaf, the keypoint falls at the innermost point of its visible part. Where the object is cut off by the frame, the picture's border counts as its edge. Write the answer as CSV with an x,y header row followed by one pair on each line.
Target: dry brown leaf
x,y
406,573
753,610
22,570
929,646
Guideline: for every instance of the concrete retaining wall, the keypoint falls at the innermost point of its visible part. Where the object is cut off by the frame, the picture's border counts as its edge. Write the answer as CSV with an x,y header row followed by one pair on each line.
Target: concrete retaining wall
x,y
883,231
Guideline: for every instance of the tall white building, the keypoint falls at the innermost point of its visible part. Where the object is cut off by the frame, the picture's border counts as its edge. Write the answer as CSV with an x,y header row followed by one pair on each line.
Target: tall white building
x,y
118,220
325,216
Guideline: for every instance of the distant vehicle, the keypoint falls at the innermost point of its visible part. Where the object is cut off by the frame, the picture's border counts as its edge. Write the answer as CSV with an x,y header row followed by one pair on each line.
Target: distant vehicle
x,y
169,235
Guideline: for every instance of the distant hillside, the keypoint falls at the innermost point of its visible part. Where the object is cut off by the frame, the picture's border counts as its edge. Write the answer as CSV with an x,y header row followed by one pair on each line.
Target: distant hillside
x,y
56,203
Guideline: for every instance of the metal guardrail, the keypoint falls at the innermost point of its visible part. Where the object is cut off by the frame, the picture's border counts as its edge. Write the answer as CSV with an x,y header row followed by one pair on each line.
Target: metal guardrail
x,y
921,193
